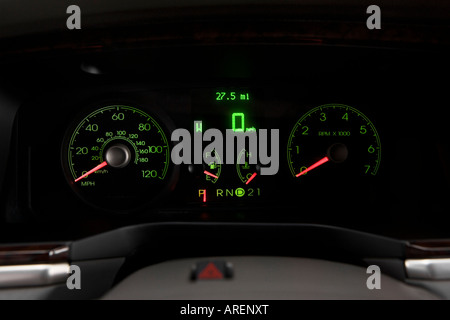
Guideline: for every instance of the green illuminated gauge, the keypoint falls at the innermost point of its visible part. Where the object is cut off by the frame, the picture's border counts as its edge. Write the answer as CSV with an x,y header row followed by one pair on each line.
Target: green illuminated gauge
x,y
334,140
247,172
213,170
117,158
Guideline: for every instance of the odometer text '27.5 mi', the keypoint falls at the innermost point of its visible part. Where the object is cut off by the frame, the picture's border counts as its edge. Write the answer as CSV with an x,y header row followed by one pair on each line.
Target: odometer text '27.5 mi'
x,y
117,158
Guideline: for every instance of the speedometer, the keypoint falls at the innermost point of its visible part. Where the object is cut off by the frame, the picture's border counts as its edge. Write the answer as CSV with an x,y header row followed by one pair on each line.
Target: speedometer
x,y
334,140
117,157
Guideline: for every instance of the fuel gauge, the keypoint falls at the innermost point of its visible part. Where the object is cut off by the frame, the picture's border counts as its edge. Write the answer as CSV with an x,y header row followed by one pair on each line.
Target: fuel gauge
x,y
213,169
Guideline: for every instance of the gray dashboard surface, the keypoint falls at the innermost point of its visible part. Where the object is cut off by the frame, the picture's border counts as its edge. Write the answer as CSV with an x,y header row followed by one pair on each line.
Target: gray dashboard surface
x,y
257,277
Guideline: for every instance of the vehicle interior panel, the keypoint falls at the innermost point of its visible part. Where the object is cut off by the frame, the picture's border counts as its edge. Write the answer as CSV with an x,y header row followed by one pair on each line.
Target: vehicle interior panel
x,y
350,166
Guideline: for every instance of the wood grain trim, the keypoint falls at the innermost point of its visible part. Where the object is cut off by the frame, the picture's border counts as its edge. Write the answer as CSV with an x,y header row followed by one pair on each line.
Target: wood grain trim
x,y
32,254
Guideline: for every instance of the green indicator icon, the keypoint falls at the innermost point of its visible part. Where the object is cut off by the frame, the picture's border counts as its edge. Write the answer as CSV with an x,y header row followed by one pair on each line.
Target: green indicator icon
x,y
198,126
238,122
239,192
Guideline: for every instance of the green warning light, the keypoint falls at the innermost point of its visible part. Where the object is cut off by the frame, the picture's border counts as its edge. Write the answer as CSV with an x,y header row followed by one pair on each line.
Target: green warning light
x,y
238,122
198,126
239,192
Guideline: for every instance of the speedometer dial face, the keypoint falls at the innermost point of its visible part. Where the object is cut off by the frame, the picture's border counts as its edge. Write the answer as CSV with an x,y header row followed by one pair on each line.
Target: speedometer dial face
x,y
333,140
117,158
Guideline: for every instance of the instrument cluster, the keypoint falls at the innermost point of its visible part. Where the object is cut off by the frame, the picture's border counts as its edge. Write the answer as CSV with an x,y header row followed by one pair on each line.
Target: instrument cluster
x,y
313,150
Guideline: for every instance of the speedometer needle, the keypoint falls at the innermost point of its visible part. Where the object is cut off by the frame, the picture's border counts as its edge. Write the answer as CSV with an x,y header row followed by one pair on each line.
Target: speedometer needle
x,y
315,165
101,165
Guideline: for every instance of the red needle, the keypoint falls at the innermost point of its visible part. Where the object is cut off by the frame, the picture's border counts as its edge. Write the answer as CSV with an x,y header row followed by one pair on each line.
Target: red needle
x,y
315,165
210,174
101,165
251,178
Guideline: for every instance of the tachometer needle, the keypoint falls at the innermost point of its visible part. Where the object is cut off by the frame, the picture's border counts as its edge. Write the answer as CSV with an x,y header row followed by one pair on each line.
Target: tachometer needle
x,y
210,174
251,178
101,165
315,165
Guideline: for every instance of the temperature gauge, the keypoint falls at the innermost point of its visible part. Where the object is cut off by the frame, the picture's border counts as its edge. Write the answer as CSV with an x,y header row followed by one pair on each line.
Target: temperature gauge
x,y
247,172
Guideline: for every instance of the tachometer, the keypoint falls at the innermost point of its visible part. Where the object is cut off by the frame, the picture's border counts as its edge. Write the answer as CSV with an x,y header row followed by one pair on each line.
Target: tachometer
x,y
117,158
334,140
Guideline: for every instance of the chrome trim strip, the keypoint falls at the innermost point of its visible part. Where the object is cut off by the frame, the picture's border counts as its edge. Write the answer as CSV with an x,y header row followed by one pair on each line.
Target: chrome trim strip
x,y
59,250
33,274
430,269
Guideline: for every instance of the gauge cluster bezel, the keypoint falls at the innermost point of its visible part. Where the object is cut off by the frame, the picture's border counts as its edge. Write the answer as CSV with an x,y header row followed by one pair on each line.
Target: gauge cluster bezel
x,y
279,103
177,197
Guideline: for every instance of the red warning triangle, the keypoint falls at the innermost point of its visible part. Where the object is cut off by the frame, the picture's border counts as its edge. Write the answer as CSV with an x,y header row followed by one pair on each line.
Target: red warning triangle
x,y
210,272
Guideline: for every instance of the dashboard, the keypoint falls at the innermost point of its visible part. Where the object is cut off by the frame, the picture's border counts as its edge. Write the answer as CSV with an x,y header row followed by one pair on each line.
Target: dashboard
x,y
304,130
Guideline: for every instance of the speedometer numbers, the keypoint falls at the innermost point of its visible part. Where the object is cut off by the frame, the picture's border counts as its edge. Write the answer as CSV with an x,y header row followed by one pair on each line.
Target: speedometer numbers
x,y
333,140
117,158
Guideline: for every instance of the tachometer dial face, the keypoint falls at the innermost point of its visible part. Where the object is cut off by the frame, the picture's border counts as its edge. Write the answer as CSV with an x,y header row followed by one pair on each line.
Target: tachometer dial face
x,y
333,140
117,158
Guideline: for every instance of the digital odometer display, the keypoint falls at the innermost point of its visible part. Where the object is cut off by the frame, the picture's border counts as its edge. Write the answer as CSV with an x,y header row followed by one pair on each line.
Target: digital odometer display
x,y
117,158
